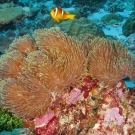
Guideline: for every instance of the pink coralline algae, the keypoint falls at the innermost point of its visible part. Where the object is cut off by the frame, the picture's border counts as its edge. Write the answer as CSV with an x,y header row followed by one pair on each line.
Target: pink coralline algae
x,y
50,129
43,120
89,110
114,115
72,97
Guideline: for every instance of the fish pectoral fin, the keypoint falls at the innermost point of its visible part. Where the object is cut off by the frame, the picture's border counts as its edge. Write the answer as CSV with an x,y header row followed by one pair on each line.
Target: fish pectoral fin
x,y
56,20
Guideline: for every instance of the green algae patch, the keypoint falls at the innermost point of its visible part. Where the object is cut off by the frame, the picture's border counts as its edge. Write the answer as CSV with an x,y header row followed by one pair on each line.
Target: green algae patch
x,y
8,121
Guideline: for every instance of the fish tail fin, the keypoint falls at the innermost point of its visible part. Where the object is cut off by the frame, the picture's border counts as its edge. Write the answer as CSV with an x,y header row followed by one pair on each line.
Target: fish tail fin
x,y
71,16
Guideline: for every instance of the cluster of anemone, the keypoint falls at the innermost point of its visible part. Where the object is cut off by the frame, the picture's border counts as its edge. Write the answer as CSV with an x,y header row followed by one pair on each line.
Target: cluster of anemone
x,y
35,69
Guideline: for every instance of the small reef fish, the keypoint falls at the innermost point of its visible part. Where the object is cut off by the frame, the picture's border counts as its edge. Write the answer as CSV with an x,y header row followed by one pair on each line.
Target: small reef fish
x,y
59,14
116,25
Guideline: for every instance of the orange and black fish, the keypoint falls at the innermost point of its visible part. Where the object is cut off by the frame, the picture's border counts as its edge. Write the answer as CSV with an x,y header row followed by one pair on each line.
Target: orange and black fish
x,y
59,14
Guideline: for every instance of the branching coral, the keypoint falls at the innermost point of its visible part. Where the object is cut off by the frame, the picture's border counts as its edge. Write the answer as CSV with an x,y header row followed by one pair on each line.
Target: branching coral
x,y
109,62
56,63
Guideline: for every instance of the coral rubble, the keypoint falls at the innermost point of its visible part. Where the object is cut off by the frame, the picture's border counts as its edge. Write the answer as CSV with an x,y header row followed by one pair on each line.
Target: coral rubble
x,y
60,85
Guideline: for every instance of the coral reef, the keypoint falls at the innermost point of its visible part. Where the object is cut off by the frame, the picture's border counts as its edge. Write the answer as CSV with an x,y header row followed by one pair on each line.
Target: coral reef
x,y
129,26
60,85
96,111
33,16
4,1
114,114
92,5
77,27
119,6
11,14
8,15
114,6
62,3
130,43
84,11
111,19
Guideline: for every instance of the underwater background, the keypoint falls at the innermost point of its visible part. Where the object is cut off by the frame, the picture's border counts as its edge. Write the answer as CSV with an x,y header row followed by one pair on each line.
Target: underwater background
x,y
90,70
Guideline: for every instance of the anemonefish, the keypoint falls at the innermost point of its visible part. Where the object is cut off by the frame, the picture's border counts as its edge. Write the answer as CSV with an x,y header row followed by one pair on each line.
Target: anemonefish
x,y
59,14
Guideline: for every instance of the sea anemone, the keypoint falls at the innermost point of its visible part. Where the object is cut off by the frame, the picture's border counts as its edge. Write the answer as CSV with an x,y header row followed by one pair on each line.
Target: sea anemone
x,y
9,64
35,74
109,62
23,100
24,44
66,54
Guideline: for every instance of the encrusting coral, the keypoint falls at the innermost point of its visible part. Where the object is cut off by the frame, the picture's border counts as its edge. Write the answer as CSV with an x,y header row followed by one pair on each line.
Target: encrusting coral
x,y
62,84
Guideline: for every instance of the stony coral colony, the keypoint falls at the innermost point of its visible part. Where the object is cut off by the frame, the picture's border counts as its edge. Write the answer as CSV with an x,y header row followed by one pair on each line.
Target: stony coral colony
x,y
66,86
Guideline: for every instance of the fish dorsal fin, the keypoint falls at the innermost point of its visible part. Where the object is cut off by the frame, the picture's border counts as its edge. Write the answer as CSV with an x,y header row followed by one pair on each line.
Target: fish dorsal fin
x,y
67,12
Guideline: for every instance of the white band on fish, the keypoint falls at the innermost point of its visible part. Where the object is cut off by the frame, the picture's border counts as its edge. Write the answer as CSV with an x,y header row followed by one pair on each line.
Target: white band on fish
x,y
62,12
56,11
